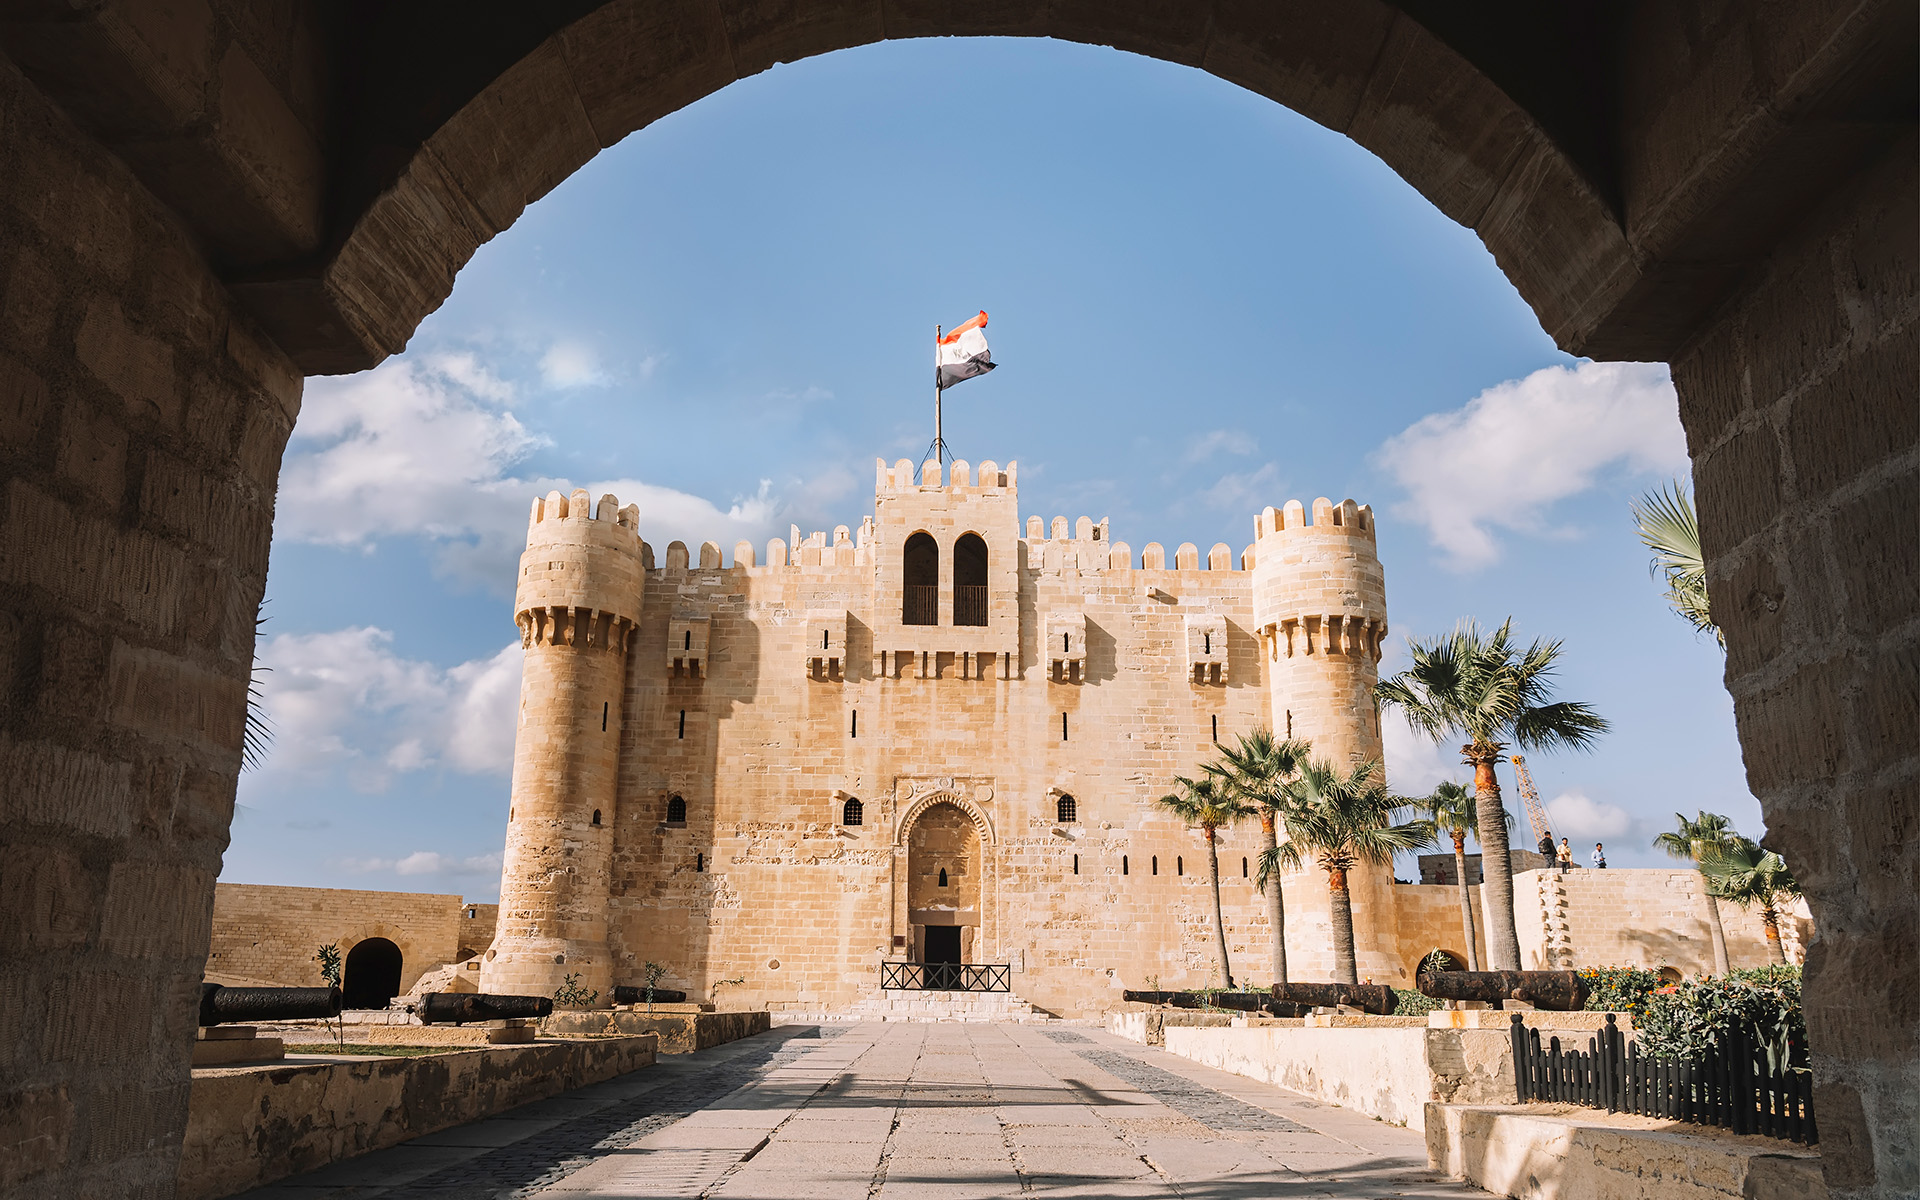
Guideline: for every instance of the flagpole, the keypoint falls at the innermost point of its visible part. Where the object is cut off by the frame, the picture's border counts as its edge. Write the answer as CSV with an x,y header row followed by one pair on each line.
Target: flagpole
x,y
939,443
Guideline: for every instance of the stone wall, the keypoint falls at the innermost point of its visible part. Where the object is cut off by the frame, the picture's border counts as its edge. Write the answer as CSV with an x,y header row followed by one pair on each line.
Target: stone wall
x,y
142,420
1801,418
269,934
252,1125
1637,918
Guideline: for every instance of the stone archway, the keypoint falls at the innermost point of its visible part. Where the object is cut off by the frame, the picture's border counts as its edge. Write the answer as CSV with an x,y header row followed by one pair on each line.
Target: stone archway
x,y
946,885
191,219
371,975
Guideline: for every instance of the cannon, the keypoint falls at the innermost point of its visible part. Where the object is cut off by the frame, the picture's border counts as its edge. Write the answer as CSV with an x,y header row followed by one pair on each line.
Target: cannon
x,y
220,1004
1376,999
458,1008
1235,1001
638,995
1561,991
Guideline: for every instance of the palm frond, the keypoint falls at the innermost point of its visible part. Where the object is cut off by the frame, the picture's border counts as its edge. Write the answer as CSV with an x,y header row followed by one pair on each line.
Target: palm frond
x,y
1670,528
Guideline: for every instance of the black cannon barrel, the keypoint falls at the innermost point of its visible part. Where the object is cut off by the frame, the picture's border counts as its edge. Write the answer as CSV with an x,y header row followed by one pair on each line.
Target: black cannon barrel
x,y
1373,998
638,995
1561,991
1237,1001
457,1008
220,1005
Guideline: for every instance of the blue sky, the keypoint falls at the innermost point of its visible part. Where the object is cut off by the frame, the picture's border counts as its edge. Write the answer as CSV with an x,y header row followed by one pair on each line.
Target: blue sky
x,y
1201,303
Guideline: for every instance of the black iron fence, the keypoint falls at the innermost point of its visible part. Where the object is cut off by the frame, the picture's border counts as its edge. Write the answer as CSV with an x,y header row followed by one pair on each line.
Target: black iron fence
x,y
922,605
946,977
1735,1086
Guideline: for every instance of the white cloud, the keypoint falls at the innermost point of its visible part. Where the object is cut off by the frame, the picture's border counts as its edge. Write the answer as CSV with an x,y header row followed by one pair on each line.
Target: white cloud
x,y
342,700
1415,763
1245,491
1504,459
426,448
570,364
1219,441
423,862
1577,817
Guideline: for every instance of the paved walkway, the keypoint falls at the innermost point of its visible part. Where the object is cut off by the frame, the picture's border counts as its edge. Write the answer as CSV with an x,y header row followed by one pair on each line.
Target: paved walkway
x,y
905,1112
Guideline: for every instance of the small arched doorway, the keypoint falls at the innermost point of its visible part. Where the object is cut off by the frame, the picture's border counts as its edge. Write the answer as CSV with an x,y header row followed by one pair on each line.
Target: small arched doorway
x,y
372,974
920,581
943,890
970,580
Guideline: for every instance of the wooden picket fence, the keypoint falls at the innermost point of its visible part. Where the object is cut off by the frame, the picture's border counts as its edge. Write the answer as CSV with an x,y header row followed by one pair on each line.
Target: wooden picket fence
x,y
1733,1086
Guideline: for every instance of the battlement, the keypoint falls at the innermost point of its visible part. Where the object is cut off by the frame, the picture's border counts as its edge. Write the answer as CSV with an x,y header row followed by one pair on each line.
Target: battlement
x,y
1346,519
554,507
903,477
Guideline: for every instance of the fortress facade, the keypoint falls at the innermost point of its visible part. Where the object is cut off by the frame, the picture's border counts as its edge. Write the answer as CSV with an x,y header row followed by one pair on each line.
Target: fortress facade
x,y
937,738
941,738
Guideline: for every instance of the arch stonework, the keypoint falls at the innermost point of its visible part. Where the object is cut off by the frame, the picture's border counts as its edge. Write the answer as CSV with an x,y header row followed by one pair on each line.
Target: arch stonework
x,y
946,791
1738,201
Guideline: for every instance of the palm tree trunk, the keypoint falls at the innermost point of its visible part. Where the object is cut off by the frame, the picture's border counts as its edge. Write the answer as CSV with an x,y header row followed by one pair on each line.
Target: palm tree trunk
x,y
1775,953
1276,905
1341,904
1716,933
1219,922
1496,863
1466,900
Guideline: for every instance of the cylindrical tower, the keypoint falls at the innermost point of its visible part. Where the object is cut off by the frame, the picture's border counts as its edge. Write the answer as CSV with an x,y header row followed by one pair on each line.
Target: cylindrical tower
x,y
577,604
1320,606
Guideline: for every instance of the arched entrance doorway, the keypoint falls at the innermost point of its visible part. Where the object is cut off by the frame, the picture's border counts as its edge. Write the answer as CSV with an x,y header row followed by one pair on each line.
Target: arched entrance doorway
x,y
943,890
372,974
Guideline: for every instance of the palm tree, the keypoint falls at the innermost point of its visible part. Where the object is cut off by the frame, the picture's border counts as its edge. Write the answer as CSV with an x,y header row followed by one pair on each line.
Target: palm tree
x,y
1343,820
1257,771
1484,688
1209,804
1453,812
1751,877
1669,528
1694,840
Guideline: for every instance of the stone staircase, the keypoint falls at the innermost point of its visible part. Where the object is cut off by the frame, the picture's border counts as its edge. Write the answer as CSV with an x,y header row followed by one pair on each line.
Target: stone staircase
x,y
1553,913
879,1004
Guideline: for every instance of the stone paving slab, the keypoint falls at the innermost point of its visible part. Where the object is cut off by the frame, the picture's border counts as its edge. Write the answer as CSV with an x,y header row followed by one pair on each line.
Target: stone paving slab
x,y
898,1111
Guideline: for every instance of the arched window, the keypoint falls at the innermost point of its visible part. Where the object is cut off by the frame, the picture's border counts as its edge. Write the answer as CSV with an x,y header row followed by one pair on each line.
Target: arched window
x,y
943,877
970,580
851,813
920,581
596,816
1179,866
1066,810
676,809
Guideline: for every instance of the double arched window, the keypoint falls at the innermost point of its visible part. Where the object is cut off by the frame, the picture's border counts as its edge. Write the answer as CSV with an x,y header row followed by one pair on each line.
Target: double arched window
x,y
920,580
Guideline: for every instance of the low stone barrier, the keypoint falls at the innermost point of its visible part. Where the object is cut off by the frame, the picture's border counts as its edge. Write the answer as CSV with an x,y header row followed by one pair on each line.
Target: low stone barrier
x,y
1146,1026
1547,1152
251,1125
679,1032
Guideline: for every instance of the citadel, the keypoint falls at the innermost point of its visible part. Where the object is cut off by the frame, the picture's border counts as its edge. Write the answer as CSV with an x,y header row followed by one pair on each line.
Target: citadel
x,y
938,738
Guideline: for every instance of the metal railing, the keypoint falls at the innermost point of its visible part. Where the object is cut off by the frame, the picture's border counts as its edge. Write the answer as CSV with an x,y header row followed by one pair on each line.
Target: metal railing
x,y
1735,1086
970,605
947,977
922,606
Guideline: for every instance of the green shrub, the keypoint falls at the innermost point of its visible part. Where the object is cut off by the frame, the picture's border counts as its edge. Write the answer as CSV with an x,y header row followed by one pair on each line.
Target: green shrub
x,y
1412,1004
1694,1015
1620,989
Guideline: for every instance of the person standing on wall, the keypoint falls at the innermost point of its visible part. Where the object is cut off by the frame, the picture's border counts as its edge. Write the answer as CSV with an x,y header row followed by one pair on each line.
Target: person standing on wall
x,y
1599,857
1565,856
1546,846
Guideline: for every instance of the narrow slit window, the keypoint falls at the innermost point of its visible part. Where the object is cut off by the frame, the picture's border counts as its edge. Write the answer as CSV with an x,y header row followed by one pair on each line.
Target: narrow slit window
x,y
1066,642
1179,866
853,728
943,877
604,706
1243,869
1123,864
1216,727
683,723
688,643
1156,864
824,635
699,863
1076,864
1063,727
1206,640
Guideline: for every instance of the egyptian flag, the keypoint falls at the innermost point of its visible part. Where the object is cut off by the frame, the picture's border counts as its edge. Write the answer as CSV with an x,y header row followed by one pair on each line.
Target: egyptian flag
x,y
962,354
